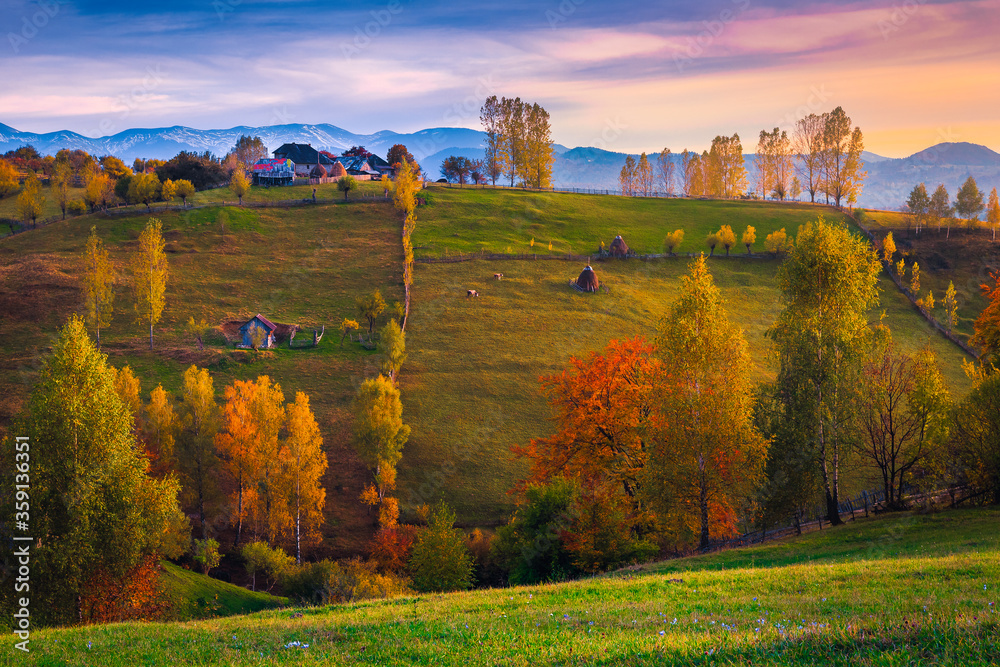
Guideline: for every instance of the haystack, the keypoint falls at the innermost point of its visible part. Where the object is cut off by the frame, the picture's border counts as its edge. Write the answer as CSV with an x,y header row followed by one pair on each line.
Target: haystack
x,y
588,280
618,247
337,170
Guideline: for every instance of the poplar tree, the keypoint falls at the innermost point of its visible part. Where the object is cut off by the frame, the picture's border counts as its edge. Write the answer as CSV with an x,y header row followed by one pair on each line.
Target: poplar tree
x,y
807,144
239,184
969,202
379,432
707,456
98,284
665,168
149,276
829,283
199,420
303,465
993,212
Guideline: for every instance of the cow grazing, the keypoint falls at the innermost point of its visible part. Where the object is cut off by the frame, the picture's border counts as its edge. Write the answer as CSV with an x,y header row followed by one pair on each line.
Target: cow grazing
x,y
497,276
473,292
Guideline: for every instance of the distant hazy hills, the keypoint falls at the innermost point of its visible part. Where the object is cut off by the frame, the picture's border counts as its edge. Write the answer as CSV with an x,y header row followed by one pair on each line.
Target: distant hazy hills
x,y
888,184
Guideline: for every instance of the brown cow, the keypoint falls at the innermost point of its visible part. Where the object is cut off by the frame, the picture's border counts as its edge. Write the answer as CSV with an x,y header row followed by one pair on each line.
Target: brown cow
x,y
497,276
473,292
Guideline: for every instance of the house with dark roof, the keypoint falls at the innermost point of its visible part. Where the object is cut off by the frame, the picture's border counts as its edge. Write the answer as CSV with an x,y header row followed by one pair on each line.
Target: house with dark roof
x,y
304,156
360,166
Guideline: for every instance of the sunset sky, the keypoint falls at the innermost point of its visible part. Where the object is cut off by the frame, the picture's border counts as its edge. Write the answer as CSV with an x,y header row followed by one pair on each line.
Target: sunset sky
x,y
626,77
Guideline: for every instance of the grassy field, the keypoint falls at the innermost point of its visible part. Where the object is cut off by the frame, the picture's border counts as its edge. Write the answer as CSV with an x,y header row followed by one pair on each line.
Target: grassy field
x,y
903,590
194,596
465,220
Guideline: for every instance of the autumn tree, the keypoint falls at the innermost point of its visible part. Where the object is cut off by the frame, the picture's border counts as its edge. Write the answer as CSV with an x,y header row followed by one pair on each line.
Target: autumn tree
x,y
601,406
706,454
727,174
808,146
98,284
749,237
993,212
539,155
888,249
248,446
969,202
456,167
712,240
774,163
184,189
114,167
31,199
673,241
644,176
248,150
302,466
726,237
379,435
98,190
399,153
168,190
977,435
393,343
627,176
9,179
239,184
951,306
829,283
405,189
915,278
843,173
199,420
149,275
778,242
59,183
918,205
144,188
370,307
100,523
159,430
665,169
496,158
346,183
902,415
440,561
940,207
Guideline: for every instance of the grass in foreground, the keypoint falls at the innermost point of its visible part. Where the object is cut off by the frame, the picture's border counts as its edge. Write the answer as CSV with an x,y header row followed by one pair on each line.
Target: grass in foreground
x,y
902,590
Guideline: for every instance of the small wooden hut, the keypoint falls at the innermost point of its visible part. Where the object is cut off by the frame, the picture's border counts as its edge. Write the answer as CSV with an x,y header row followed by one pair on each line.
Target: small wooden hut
x,y
588,280
619,248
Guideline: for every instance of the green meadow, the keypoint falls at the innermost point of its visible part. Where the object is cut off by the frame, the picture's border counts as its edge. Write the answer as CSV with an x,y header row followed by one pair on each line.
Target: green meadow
x,y
907,589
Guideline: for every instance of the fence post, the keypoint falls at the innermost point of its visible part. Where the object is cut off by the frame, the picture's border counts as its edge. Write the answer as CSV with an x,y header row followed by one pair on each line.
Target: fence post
x,y
864,494
850,503
820,519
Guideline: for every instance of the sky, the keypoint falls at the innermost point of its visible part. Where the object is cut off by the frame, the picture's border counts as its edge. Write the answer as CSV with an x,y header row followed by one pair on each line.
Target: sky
x,y
626,77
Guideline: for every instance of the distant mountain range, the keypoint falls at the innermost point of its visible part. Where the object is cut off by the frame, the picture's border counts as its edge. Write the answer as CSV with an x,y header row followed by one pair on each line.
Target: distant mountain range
x,y
887,186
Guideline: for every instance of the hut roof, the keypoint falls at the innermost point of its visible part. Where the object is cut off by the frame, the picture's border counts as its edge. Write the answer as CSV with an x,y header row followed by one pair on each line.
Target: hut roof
x,y
588,280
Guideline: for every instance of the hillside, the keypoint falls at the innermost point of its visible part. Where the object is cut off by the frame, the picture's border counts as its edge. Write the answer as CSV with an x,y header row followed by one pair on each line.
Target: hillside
x,y
470,384
192,595
907,589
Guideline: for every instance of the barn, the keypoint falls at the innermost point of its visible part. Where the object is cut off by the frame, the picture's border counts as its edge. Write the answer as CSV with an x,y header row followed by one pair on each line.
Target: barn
x,y
258,321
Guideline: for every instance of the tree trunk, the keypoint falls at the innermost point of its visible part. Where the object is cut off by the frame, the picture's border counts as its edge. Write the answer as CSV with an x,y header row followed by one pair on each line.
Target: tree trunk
x,y
703,503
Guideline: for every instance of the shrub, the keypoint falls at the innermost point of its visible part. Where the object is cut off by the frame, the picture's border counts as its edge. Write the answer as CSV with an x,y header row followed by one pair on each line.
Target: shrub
x,y
530,547
392,547
273,562
206,554
440,560
778,242
328,582
76,207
